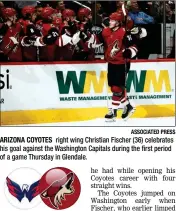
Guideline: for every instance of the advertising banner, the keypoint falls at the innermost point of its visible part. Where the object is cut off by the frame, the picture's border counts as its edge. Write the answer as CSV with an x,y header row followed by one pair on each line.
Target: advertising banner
x,y
28,87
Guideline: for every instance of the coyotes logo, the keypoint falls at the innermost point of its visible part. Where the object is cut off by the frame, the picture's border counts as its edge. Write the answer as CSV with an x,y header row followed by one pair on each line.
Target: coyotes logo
x,y
114,48
59,188
13,43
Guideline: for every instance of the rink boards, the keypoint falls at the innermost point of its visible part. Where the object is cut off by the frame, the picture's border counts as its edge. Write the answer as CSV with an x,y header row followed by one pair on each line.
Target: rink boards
x,y
65,92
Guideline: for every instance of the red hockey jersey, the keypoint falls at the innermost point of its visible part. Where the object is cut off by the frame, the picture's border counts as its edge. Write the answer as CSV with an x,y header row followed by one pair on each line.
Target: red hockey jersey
x,y
47,53
114,45
30,53
10,45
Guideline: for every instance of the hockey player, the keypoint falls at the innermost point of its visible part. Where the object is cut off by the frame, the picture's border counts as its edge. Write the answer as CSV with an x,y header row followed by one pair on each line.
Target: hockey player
x,y
85,17
68,15
52,51
12,37
30,53
46,52
118,52
85,48
10,34
55,37
68,27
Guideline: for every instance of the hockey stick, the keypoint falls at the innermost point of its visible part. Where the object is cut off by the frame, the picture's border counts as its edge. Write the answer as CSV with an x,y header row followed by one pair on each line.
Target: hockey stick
x,y
77,2
125,15
38,53
107,95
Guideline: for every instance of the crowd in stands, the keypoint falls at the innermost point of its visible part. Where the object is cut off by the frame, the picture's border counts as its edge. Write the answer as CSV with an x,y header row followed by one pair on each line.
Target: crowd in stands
x,y
70,18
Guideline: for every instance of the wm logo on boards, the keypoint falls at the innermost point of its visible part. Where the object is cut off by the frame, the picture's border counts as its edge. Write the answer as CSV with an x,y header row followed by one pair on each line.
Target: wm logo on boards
x,y
82,81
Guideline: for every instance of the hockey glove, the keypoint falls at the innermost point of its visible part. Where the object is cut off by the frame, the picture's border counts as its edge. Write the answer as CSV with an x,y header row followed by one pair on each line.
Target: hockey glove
x,y
72,27
135,30
139,32
4,29
87,27
51,38
31,30
3,57
28,41
83,36
127,53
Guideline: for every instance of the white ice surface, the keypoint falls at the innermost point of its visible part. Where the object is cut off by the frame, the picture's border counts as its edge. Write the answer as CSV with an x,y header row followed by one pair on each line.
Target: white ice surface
x,y
162,121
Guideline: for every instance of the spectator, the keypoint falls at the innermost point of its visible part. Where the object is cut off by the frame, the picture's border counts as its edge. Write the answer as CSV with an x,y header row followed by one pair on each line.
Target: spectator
x,y
119,4
97,13
157,11
146,6
144,20
170,16
138,16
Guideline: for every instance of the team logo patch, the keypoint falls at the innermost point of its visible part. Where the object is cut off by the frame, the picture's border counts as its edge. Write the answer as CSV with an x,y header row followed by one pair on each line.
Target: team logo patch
x,y
115,48
22,188
59,188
